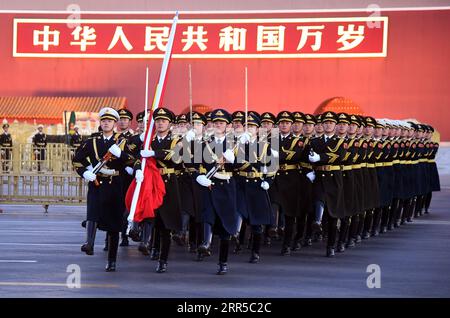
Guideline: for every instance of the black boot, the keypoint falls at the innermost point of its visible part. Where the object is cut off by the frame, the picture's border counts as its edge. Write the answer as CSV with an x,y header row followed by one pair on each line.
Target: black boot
x,y
205,247
256,244
125,241
223,257
144,246
113,243
330,251
154,254
341,247
286,250
135,232
91,229
105,248
161,267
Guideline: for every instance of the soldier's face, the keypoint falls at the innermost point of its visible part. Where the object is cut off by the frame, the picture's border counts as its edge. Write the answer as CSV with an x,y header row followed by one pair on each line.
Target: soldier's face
x,y
308,129
319,128
297,127
252,129
107,125
5,129
162,125
141,126
352,129
285,126
368,130
237,126
329,126
360,130
198,128
182,127
378,132
124,123
40,129
342,128
267,125
220,127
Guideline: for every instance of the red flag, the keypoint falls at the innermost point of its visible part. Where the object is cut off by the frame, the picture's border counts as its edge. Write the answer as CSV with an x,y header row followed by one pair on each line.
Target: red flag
x,y
151,194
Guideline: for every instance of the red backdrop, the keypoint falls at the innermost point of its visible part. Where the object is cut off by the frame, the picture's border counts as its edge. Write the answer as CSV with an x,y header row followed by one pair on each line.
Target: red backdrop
x,y
411,82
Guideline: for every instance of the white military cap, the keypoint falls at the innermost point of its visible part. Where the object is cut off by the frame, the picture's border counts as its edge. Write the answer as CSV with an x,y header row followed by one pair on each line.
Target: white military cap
x,y
108,113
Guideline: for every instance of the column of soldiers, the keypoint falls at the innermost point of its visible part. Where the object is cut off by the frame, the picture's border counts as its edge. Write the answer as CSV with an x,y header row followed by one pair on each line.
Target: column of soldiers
x,y
340,178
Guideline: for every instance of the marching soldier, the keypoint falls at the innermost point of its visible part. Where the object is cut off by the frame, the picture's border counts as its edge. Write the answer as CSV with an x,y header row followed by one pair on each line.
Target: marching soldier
x,y
76,139
105,198
435,185
124,124
39,145
219,189
168,215
253,183
326,154
286,186
5,148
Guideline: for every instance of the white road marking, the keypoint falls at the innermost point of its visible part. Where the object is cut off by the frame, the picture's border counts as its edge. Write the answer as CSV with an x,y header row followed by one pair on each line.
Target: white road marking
x,y
16,261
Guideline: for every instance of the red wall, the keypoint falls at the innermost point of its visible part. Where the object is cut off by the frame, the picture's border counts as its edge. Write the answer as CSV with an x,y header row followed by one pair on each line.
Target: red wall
x,y
411,82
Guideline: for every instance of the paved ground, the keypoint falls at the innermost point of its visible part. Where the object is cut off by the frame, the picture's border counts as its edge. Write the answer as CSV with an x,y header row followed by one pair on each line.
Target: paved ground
x,y
35,250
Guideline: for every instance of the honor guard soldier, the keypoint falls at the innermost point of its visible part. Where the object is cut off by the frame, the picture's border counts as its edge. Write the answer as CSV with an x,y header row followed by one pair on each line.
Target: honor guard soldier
x,y
124,124
285,190
105,198
168,215
326,154
435,184
39,146
253,182
76,139
5,148
219,189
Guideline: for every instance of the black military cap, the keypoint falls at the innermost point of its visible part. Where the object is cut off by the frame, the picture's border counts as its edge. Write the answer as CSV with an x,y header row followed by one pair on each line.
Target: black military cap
x,y
140,117
299,117
329,116
268,117
379,124
318,119
252,119
370,121
255,113
181,119
208,116
343,118
5,125
238,116
421,127
354,119
164,113
310,119
221,115
285,116
431,128
125,113
197,117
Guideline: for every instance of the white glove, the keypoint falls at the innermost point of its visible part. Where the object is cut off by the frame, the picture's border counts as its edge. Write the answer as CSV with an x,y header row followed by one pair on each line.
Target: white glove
x,y
89,175
190,135
36,151
141,137
311,176
274,153
107,171
129,170
229,155
147,153
245,137
139,175
314,157
265,185
115,150
90,168
203,180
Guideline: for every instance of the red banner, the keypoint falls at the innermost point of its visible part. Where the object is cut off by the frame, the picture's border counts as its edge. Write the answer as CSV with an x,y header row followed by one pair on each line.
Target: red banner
x,y
202,38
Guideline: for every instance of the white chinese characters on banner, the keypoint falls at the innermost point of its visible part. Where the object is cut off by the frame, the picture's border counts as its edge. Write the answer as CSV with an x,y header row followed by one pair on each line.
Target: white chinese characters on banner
x,y
83,37
232,38
308,31
355,37
46,37
119,35
156,37
194,37
270,38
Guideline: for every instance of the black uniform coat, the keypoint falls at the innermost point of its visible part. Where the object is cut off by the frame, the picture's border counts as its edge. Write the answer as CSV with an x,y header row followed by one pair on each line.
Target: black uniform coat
x,y
253,202
106,202
328,186
352,197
